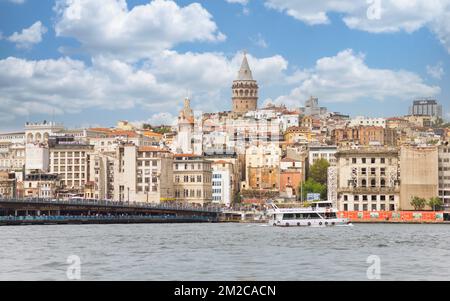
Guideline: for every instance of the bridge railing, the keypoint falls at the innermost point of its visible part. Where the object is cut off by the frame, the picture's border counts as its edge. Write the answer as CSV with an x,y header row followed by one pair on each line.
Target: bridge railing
x,y
101,218
106,203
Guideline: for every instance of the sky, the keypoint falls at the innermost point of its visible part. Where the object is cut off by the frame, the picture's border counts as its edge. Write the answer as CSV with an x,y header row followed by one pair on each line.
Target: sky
x,y
91,63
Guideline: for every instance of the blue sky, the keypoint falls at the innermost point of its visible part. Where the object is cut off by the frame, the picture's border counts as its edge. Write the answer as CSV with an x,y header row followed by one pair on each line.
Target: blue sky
x,y
90,63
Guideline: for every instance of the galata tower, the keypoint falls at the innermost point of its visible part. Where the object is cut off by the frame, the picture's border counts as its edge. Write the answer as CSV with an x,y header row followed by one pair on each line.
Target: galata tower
x,y
245,90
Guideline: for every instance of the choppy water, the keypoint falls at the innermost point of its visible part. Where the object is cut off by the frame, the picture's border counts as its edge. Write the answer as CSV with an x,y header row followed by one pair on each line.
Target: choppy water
x,y
224,252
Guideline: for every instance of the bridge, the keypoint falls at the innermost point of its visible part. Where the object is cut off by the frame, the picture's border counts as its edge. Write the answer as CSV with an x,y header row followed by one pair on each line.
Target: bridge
x,y
45,211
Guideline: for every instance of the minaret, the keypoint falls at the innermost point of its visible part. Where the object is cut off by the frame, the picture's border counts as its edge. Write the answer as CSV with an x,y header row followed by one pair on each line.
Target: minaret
x,y
245,90
185,129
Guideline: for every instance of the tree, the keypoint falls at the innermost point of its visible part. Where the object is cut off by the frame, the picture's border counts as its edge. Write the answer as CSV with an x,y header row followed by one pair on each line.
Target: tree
x,y
435,203
311,186
418,203
319,171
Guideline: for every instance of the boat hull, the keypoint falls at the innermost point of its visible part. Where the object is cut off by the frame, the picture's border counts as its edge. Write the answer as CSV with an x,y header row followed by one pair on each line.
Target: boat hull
x,y
310,222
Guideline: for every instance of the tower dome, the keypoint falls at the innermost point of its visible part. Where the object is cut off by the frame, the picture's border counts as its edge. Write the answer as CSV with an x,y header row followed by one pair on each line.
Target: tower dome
x,y
245,90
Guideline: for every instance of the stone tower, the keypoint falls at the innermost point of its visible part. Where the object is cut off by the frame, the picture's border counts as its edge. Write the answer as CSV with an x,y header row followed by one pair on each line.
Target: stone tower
x,y
245,90
185,129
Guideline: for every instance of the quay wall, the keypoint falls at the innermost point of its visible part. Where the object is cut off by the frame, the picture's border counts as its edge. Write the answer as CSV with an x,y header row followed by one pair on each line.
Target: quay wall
x,y
393,216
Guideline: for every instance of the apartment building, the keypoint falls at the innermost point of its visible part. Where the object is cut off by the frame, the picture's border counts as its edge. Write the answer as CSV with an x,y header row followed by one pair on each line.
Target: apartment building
x,y
444,174
192,178
7,185
143,174
367,179
41,185
70,160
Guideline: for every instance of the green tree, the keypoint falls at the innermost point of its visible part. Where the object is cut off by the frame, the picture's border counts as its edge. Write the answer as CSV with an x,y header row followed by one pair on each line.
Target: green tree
x,y
435,203
319,171
311,186
237,198
418,203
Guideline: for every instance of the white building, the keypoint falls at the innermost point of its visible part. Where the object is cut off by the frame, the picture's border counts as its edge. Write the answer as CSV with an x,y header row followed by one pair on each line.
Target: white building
x,y
12,138
143,174
222,182
40,132
367,179
322,152
12,156
367,121
37,157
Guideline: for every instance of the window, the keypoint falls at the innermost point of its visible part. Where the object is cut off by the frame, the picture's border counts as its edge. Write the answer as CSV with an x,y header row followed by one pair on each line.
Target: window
x,y
363,160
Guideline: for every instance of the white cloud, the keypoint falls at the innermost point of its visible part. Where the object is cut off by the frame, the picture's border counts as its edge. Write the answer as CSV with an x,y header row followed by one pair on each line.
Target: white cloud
x,y
108,27
436,71
29,36
242,2
374,16
160,84
346,78
17,1
163,118
259,41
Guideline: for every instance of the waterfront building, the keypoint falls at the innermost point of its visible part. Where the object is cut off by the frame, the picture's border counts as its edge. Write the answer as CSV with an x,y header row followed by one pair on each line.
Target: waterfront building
x,y
367,179
37,157
291,176
70,160
7,185
419,174
223,182
427,107
192,178
101,174
143,174
244,90
41,185
444,174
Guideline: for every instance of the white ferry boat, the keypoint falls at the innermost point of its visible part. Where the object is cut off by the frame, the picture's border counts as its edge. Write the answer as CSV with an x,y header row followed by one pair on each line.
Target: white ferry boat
x,y
319,214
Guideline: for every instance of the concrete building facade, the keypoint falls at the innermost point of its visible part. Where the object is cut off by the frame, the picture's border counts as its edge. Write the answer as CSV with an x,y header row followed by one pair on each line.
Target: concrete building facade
x,y
192,178
143,174
367,179
444,175
419,174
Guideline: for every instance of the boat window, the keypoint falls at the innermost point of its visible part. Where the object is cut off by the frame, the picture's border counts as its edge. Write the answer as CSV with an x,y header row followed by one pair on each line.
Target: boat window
x,y
288,216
